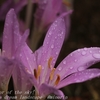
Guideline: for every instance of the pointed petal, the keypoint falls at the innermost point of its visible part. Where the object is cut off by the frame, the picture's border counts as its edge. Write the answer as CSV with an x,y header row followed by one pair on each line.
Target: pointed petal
x,y
27,58
21,79
52,44
11,35
46,90
78,60
6,68
80,77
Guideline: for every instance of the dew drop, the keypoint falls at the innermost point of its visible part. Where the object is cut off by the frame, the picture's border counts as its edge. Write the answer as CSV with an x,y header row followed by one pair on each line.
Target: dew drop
x,y
77,80
27,58
83,53
57,53
97,56
91,75
71,67
50,33
78,50
20,55
60,68
81,68
52,46
75,60
85,48
64,62
90,51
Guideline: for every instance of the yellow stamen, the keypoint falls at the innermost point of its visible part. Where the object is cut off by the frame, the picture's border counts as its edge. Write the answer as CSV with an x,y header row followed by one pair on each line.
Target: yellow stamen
x,y
57,80
52,73
39,70
49,62
35,73
66,3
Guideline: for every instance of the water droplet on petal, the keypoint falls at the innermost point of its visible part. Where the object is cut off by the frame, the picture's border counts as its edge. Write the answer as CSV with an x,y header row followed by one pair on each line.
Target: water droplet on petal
x,y
85,48
20,55
80,68
60,68
91,75
78,50
57,53
52,46
77,80
97,56
71,67
64,62
90,51
50,33
75,60
83,53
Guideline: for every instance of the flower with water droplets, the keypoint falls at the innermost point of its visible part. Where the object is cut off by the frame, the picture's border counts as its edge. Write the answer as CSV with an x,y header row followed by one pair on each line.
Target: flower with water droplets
x,y
49,79
12,43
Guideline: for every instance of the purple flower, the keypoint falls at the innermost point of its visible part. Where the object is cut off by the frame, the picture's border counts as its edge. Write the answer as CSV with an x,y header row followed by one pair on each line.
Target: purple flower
x,y
12,43
47,11
47,78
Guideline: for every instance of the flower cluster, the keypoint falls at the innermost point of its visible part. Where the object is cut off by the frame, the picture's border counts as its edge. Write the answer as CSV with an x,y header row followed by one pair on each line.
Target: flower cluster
x,y
38,68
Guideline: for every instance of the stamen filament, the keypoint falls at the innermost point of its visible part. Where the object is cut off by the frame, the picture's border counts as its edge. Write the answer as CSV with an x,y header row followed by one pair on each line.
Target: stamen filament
x,y
39,70
49,62
52,74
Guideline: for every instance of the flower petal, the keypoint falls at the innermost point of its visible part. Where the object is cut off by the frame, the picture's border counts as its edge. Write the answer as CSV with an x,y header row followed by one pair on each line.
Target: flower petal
x,y
11,35
21,79
52,44
80,77
46,90
78,60
27,58
6,68
48,11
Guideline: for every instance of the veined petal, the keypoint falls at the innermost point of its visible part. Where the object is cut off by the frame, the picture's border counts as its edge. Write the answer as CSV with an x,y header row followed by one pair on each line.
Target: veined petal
x,y
46,90
6,68
11,35
22,79
78,60
52,44
80,77
27,57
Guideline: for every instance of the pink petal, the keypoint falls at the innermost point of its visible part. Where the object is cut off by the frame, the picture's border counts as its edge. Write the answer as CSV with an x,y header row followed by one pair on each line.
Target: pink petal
x,y
78,60
52,44
21,79
47,11
80,76
11,35
6,68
